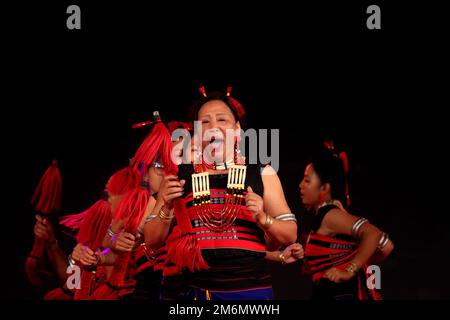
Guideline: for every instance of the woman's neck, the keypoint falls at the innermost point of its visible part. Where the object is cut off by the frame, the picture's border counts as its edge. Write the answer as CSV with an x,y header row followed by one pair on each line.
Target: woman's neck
x,y
216,172
325,202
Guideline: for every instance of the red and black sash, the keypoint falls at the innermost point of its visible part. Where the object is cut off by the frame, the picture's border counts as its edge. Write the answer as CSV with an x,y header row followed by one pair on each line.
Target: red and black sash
x,y
324,253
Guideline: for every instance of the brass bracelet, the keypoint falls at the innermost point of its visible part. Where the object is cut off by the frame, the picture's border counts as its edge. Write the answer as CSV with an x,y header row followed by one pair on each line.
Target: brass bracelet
x,y
71,261
165,216
269,221
351,268
282,258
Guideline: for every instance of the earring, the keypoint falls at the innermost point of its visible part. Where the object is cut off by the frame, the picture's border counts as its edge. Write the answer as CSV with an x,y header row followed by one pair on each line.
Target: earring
x,y
238,157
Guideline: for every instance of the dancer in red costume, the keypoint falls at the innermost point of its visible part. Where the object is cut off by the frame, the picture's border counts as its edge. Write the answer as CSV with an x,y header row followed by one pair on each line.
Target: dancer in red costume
x,y
132,210
340,245
89,228
219,241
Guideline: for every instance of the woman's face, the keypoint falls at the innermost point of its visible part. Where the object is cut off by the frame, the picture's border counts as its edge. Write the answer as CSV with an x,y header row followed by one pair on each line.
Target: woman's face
x,y
216,118
113,201
311,189
155,176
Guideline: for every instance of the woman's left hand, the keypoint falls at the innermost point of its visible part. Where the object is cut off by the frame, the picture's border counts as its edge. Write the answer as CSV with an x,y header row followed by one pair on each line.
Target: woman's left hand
x,y
337,275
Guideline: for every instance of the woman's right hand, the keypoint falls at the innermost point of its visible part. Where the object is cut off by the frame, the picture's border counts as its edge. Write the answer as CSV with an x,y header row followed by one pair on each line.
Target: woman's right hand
x,y
170,189
125,241
84,254
293,253
43,229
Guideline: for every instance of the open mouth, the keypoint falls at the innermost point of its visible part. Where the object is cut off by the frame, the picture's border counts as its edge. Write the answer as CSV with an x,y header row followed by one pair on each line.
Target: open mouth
x,y
215,140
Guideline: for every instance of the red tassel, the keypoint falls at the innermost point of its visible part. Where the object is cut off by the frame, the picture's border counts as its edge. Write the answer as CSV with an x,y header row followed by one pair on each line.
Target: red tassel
x,y
90,283
131,208
130,211
95,225
141,124
92,233
47,196
345,163
240,111
344,158
156,146
183,251
46,200
123,180
202,90
73,221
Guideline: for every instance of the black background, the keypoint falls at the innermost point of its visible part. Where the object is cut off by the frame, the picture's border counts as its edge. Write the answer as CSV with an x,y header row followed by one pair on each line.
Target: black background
x,y
306,69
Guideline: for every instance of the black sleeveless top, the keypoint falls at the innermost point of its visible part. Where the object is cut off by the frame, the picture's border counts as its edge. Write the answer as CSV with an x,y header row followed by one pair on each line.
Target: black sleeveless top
x,y
320,215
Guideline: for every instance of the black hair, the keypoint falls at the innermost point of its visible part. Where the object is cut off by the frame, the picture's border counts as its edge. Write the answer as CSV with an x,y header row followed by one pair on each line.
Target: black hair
x,y
232,104
330,169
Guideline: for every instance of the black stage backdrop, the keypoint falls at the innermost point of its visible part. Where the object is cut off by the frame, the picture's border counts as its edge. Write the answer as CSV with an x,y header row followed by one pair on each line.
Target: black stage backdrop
x,y
307,70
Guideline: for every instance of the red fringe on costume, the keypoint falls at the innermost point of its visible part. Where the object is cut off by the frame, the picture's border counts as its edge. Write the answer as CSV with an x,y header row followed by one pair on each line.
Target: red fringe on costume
x,y
47,196
183,250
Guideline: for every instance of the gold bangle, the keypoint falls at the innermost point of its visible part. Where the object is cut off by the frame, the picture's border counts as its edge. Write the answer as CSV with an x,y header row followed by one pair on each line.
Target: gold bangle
x,y
282,258
269,221
165,216
351,267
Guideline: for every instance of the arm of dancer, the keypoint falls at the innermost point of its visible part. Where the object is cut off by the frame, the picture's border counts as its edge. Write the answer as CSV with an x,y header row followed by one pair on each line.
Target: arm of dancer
x,y
273,205
292,253
58,259
157,225
340,222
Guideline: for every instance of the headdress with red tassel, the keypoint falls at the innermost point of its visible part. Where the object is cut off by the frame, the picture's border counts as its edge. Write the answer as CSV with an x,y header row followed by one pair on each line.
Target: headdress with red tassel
x,y
329,144
239,109
202,90
235,106
46,200
156,146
